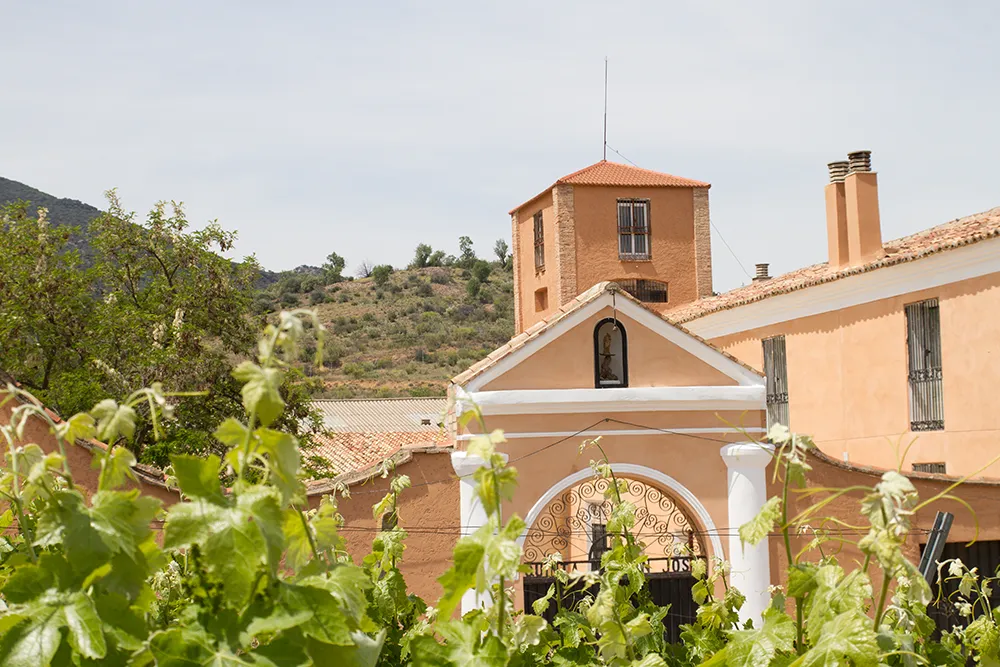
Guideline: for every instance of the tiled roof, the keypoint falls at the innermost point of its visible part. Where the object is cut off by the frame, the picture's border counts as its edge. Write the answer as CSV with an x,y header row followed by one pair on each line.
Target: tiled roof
x,y
366,415
621,175
350,452
362,432
955,234
540,327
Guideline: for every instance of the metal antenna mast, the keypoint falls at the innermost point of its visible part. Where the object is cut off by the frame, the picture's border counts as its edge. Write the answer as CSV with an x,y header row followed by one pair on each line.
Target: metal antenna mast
x,y
605,154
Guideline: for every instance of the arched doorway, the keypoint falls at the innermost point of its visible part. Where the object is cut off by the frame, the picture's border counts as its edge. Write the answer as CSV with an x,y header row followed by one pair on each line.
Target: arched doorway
x,y
572,521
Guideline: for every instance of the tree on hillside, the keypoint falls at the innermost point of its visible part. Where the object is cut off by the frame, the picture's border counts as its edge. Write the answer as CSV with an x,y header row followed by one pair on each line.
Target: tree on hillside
x,y
381,274
481,270
158,305
502,251
365,269
334,268
467,256
422,256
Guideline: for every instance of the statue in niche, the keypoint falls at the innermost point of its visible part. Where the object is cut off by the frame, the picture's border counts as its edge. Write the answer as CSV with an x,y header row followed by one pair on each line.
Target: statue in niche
x,y
607,375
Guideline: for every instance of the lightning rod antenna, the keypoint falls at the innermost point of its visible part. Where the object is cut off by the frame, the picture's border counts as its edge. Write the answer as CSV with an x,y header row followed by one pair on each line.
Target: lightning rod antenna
x,y
605,153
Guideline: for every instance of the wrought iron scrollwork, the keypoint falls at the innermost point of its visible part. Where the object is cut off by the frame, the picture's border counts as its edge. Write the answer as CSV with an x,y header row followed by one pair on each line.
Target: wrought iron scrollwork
x,y
570,522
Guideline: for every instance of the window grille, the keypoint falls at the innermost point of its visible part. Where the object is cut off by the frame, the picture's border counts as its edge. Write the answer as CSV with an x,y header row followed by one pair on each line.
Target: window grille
x,y
938,468
923,342
776,377
633,229
539,242
647,291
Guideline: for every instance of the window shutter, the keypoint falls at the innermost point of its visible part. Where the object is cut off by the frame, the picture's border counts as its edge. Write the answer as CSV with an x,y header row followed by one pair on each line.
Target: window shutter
x,y
923,343
776,378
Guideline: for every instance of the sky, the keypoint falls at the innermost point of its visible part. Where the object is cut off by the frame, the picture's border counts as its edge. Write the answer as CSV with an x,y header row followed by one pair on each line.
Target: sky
x,y
366,128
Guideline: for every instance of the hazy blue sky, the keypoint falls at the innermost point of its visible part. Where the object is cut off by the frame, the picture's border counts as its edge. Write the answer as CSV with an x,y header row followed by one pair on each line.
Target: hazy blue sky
x,y
367,127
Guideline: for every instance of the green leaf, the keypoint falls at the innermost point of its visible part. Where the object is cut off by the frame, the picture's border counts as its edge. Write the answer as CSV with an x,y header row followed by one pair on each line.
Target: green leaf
x,y
528,630
757,648
328,623
116,468
181,647
33,642
299,548
348,583
198,477
113,420
260,391
283,452
847,639
467,558
758,528
85,634
286,650
364,651
231,433
27,583
78,427
801,580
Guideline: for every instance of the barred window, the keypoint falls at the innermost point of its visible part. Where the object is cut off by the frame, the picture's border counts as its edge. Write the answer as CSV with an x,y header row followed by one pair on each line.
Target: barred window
x,y
633,229
776,378
923,343
539,243
647,291
938,468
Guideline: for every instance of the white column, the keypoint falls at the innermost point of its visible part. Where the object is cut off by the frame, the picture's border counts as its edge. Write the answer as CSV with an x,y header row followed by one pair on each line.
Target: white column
x,y
471,511
751,565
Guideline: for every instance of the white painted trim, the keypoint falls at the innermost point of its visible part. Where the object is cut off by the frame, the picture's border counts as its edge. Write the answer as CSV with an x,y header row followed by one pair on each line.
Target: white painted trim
x,y
950,266
624,431
667,482
627,307
628,399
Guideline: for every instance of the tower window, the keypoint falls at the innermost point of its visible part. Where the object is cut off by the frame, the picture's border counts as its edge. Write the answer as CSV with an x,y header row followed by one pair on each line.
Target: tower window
x,y
923,343
610,354
541,299
539,243
776,377
633,229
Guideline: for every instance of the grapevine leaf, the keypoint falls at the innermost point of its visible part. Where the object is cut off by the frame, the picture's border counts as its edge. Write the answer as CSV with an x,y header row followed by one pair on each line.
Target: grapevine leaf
x,y
461,576
113,420
757,648
758,528
85,634
286,650
364,652
116,468
847,639
348,584
283,452
181,647
231,432
78,427
260,391
33,642
198,477
27,583
299,549
328,623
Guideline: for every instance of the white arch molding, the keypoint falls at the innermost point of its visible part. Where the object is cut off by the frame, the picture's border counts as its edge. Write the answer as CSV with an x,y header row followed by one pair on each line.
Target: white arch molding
x,y
666,482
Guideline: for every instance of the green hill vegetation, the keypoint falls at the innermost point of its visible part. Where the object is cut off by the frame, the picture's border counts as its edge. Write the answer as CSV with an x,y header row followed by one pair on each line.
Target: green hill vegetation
x,y
402,333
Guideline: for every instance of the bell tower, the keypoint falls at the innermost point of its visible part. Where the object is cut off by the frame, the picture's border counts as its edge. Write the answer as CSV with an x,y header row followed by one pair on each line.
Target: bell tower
x,y
645,230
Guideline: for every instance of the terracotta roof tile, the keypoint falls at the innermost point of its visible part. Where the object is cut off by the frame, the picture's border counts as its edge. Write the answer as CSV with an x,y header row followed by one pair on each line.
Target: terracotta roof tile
x,y
350,452
544,325
961,232
620,175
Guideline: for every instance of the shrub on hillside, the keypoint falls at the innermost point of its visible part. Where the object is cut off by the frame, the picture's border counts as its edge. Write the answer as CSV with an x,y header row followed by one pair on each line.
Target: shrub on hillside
x,y
472,288
317,297
481,270
381,273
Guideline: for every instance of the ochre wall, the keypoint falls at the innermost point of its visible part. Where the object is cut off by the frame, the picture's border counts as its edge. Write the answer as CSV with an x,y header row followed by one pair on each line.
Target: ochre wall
x,y
847,378
671,224
530,279
568,362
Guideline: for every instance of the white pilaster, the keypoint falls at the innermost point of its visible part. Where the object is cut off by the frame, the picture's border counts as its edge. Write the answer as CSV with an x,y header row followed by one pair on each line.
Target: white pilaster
x,y
471,511
747,492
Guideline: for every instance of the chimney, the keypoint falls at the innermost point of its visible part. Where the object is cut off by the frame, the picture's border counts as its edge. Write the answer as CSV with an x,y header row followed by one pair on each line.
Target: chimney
x,y
761,273
864,231
836,214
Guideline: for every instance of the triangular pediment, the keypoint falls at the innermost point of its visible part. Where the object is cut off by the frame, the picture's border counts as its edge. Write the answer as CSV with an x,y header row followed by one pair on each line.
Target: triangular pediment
x,y
558,353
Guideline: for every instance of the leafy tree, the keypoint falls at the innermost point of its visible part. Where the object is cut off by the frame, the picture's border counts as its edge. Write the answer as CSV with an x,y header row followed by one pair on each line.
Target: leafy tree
x,y
333,268
467,256
422,256
157,304
437,258
481,269
472,287
381,274
502,251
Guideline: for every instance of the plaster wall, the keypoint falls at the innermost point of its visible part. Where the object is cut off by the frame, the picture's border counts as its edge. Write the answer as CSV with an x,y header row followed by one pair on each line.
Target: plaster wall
x,y
529,279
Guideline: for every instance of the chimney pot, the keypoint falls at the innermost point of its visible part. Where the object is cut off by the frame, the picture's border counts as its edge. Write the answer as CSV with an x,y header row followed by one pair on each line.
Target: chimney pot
x,y
838,170
860,161
761,272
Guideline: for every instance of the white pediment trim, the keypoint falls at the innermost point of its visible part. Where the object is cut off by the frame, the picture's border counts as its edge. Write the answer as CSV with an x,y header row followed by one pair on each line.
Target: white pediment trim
x,y
629,399
694,346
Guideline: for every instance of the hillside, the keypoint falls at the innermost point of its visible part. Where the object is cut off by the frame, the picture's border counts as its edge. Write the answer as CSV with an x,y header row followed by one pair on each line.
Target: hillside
x,y
69,212
407,337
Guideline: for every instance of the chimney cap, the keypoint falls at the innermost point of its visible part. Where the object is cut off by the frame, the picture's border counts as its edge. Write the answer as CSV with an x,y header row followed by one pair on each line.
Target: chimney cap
x,y
762,272
860,161
838,170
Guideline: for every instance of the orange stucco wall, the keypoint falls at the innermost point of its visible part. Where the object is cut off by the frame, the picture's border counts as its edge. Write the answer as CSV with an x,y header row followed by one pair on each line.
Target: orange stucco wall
x,y
847,378
671,223
568,362
530,279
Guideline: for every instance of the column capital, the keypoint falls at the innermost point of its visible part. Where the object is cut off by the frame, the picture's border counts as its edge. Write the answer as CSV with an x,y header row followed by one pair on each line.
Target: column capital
x,y
747,454
466,465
